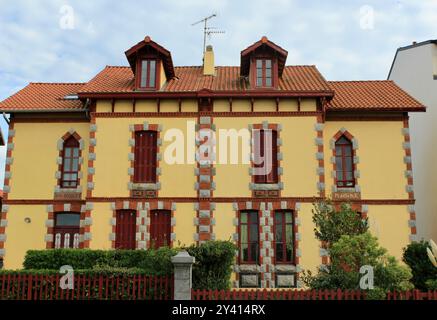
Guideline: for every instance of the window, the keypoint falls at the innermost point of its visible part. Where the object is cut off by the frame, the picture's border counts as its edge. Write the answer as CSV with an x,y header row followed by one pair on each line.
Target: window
x,y
264,73
145,157
70,163
344,163
160,228
265,156
249,237
148,74
284,237
66,231
125,229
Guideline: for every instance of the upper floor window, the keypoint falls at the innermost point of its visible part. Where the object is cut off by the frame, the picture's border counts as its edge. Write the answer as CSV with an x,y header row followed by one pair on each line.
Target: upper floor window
x,y
264,73
66,230
148,74
344,163
249,236
265,156
145,156
284,237
70,163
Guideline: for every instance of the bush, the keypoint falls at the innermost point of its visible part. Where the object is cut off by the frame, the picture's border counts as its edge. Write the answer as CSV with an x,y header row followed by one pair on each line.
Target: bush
x,y
348,254
213,266
332,224
416,258
153,262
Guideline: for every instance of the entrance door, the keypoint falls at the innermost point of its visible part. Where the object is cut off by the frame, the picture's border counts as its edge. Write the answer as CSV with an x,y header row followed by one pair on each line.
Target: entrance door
x,y
160,228
125,229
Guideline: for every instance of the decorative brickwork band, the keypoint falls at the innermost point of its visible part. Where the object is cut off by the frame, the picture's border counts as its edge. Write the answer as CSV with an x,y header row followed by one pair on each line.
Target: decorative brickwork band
x,y
205,185
9,161
320,155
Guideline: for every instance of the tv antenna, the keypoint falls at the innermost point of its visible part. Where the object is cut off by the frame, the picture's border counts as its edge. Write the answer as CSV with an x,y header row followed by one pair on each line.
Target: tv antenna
x,y
207,31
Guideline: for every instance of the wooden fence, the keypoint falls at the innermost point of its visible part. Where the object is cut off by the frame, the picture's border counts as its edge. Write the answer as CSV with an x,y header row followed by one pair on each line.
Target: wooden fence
x,y
293,294
86,287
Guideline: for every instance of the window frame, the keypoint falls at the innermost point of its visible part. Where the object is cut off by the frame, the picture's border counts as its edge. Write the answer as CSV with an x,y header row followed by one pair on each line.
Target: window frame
x,y
72,158
274,72
272,177
344,162
284,236
248,223
132,243
64,229
139,72
145,164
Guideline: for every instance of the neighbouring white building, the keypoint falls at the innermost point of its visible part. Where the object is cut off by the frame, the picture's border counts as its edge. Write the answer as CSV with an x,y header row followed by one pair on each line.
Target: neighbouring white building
x,y
414,69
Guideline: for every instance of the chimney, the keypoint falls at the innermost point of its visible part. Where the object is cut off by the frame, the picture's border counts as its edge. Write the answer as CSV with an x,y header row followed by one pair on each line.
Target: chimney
x,y
208,62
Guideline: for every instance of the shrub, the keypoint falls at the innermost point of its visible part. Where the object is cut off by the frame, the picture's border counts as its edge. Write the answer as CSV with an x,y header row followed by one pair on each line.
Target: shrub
x,y
416,258
347,255
153,262
213,266
332,224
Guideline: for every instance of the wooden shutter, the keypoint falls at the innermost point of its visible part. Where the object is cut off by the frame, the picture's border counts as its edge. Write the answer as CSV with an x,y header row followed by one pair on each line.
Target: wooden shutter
x,y
160,228
125,229
269,153
145,157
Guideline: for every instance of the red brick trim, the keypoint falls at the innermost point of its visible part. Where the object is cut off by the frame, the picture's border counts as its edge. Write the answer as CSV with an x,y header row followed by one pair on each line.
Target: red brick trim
x,y
7,181
409,177
74,207
91,149
321,162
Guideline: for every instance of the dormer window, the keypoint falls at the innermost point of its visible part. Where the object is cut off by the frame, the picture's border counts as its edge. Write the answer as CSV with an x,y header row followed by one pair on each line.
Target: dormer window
x,y
147,74
264,73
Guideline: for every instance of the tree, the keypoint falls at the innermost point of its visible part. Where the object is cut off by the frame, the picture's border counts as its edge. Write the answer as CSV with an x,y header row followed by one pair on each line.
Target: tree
x,y
416,258
348,255
332,224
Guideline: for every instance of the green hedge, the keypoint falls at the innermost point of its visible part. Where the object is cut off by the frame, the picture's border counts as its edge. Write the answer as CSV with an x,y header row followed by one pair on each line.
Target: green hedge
x,y
213,266
152,262
416,258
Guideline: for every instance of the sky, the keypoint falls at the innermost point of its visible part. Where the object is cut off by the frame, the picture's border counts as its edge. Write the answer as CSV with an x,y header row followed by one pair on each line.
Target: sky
x,y
71,41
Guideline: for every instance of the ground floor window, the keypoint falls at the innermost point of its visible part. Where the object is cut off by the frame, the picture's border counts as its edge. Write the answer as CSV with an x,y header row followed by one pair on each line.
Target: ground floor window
x,y
284,236
160,228
125,229
249,236
66,230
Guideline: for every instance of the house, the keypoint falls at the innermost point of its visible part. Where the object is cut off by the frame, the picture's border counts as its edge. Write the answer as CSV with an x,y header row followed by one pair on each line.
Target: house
x,y
414,69
136,158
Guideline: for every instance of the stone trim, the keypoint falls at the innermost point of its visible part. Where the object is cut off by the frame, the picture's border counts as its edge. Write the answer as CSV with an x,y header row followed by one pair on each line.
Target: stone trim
x,y
58,174
205,172
132,185
259,189
84,226
356,161
266,268
3,225
9,161
143,219
320,156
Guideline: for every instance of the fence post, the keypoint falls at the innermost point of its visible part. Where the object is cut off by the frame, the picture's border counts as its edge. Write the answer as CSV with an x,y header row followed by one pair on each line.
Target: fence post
x,y
183,264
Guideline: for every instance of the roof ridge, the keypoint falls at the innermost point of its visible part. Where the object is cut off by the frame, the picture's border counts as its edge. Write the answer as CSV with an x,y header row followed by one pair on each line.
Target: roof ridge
x,y
343,81
59,83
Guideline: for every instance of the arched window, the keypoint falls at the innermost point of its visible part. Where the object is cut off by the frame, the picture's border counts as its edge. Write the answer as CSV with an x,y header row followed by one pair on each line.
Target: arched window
x,y
344,163
70,163
66,230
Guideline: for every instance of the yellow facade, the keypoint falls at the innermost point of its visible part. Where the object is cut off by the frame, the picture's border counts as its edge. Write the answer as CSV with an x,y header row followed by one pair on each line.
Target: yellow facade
x,y
381,166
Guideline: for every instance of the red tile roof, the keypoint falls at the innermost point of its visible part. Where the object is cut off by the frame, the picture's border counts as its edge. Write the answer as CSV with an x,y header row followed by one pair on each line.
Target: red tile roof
x,y
349,95
371,95
43,97
121,79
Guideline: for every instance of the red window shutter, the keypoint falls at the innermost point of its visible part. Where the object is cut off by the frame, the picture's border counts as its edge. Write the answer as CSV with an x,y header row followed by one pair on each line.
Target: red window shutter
x,y
125,229
145,157
160,228
263,149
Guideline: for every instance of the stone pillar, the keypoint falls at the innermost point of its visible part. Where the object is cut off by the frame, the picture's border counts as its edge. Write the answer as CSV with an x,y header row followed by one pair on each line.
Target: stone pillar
x,y
183,264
